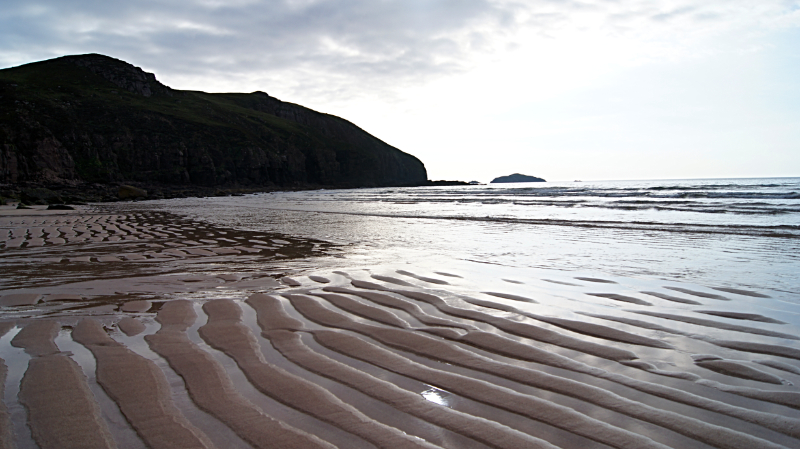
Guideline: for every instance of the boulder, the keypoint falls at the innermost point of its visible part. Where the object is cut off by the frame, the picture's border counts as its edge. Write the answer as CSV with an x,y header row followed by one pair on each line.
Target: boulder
x,y
40,195
127,192
59,207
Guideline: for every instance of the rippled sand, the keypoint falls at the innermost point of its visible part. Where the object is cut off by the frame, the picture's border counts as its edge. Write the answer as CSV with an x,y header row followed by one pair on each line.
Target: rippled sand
x,y
144,329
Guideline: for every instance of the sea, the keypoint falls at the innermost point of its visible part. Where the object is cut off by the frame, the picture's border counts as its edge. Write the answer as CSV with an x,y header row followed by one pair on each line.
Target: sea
x,y
734,233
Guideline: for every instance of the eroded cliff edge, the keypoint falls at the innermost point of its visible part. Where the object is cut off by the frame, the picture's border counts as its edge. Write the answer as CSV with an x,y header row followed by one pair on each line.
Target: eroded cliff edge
x,y
95,119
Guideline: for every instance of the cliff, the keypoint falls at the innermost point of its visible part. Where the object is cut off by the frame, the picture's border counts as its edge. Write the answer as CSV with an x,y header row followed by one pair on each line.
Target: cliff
x,y
95,119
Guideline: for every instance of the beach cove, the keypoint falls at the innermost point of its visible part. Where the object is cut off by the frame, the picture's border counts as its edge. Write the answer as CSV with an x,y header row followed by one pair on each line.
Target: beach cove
x,y
629,315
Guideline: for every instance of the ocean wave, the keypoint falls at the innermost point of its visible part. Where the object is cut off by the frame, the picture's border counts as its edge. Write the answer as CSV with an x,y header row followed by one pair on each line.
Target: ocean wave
x,y
780,231
660,204
553,193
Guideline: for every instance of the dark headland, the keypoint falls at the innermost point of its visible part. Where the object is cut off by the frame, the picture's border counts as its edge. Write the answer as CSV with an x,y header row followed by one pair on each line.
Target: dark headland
x,y
516,177
83,125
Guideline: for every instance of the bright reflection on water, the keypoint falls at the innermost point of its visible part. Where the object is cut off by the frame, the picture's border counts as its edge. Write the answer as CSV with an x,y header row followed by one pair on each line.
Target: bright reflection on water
x,y
716,232
436,396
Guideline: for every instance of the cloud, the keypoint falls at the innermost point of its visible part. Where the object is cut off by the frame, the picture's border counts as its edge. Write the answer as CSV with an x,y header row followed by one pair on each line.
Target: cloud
x,y
401,41
336,48
586,89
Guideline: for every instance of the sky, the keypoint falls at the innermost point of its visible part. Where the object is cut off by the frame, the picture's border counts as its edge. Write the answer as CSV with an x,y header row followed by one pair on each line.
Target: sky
x,y
560,89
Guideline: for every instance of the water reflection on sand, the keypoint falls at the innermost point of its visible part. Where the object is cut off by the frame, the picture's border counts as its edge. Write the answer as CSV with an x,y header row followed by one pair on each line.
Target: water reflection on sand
x,y
253,336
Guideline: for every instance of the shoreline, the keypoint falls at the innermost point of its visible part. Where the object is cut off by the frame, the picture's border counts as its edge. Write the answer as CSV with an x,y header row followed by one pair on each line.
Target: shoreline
x,y
83,193
534,358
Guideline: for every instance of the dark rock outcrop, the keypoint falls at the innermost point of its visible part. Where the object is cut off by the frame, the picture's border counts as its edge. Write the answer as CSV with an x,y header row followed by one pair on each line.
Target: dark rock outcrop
x,y
127,192
40,195
59,207
516,177
121,74
93,120
443,182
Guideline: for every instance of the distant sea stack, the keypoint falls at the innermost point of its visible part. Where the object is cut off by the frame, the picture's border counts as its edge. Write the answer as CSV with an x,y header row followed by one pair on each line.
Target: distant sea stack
x,y
93,119
516,177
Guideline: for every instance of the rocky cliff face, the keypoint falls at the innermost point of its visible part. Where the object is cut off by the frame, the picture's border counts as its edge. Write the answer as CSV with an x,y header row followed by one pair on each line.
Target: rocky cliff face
x,y
92,118
121,74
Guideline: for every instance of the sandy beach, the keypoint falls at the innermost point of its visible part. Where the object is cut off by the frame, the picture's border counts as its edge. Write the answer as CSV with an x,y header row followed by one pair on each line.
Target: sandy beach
x,y
145,329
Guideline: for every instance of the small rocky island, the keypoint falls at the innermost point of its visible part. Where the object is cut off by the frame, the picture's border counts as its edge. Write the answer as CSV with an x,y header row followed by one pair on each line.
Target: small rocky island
x,y
516,177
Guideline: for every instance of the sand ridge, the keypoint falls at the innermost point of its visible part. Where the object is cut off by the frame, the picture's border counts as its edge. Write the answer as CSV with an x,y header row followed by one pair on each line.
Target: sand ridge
x,y
55,393
211,388
143,394
224,331
419,344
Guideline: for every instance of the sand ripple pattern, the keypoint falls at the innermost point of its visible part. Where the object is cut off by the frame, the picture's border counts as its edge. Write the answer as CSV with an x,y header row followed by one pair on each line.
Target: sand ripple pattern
x,y
389,365
380,358
103,243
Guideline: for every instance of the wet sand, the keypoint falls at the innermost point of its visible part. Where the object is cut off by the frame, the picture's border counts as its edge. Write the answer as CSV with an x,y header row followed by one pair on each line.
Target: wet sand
x,y
139,328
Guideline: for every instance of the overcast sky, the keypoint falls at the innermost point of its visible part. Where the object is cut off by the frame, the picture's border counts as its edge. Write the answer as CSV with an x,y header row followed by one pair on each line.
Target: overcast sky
x,y
584,89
